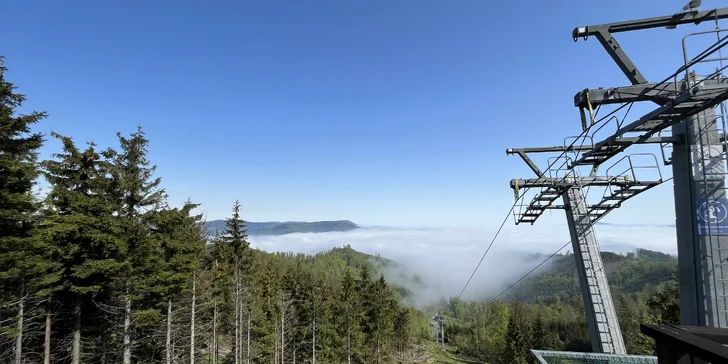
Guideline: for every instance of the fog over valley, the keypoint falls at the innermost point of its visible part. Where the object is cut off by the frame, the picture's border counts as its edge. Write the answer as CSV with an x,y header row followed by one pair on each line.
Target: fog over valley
x,y
444,259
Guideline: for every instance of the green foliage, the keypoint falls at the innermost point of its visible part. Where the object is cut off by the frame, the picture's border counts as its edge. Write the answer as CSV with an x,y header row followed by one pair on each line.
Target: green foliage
x,y
539,335
518,334
552,317
665,304
22,257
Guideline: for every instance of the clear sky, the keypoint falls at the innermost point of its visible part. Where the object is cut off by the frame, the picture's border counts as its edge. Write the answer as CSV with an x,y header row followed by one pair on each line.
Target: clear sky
x,y
382,112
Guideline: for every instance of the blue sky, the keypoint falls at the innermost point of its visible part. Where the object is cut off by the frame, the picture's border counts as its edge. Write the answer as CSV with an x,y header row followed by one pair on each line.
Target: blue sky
x,y
382,112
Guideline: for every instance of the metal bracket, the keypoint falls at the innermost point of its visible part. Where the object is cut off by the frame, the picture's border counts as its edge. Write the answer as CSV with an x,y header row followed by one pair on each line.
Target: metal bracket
x,y
528,161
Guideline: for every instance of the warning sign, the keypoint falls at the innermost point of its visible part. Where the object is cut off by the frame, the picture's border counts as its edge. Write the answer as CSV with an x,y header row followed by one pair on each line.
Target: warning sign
x,y
712,216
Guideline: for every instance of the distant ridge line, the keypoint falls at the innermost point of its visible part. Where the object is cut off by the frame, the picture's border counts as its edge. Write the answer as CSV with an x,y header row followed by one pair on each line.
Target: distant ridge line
x,y
287,227
636,225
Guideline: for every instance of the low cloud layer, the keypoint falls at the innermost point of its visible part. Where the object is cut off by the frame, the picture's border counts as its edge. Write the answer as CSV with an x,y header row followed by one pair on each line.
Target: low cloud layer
x,y
445,258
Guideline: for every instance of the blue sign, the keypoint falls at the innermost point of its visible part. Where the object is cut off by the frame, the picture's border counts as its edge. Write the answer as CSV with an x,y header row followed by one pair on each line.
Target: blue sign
x,y
712,216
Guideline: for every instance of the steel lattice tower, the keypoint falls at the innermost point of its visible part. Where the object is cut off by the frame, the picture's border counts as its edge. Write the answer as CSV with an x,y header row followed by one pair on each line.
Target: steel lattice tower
x,y
686,105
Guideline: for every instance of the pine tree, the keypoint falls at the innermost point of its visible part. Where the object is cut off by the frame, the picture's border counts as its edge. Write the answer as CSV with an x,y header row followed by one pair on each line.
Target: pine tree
x,y
349,314
235,237
180,239
378,318
402,331
539,335
136,192
365,351
80,227
18,244
516,350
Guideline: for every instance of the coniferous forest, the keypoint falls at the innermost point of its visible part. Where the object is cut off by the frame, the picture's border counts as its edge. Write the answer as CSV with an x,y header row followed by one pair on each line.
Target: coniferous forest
x,y
100,269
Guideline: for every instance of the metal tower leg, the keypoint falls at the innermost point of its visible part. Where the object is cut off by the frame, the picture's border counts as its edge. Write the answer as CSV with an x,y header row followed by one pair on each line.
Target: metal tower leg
x,y
701,220
600,313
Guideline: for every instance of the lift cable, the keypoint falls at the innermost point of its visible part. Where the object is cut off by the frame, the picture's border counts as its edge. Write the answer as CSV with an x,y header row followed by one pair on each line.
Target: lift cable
x,y
487,250
542,263
515,203
529,272
583,134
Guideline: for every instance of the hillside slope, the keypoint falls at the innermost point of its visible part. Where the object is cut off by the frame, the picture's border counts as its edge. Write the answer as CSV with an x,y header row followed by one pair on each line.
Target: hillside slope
x,y
632,273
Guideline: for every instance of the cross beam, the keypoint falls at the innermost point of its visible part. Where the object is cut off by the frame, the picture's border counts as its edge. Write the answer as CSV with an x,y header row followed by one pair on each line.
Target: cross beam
x,y
563,183
603,33
523,152
658,93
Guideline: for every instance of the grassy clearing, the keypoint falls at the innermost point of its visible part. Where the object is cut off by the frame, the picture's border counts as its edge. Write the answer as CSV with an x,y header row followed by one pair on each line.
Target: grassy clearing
x,y
437,356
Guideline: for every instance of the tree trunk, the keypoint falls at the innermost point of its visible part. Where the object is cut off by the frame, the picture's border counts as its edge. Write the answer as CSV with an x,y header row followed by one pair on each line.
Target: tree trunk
x,y
47,339
168,346
192,320
214,321
127,327
236,359
283,333
477,338
313,342
76,350
241,323
247,351
275,349
348,343
379,358
21,315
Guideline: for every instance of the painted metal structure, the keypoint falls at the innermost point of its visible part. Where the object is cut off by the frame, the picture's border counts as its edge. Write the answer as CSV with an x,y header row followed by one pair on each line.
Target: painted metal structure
x,y
686,102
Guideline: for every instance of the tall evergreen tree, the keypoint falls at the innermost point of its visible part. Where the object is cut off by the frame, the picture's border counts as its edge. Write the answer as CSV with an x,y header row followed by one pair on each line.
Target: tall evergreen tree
x,y
350,315
516,347
136,192
19,251
402,331
236,239
539,335
180,240
378,320
82,231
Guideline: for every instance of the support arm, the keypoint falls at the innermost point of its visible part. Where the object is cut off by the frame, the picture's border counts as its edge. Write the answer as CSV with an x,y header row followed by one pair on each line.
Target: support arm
x,y
620,58
604,33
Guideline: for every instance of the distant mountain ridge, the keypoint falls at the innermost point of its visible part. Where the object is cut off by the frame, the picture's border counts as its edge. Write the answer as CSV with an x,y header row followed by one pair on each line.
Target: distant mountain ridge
x,y
288,227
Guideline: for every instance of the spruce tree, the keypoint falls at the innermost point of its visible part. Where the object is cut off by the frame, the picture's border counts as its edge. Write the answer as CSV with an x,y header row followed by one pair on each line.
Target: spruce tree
x,y
516,347
80,227
402,331
236,235
236,239
136,192
180,240
350,316
19,251
539,335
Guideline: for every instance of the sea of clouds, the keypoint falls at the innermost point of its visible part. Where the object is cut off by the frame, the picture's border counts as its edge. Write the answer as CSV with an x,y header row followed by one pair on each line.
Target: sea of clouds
x,y
446,258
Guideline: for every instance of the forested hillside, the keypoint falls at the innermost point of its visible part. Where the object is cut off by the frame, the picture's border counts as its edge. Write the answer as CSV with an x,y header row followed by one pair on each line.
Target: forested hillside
x,y
547,311
101,269
639,272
